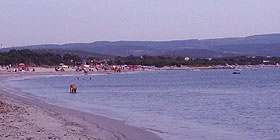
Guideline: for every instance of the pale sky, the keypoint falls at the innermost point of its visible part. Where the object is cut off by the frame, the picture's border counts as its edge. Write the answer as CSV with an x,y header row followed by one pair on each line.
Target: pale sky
x,y
26,22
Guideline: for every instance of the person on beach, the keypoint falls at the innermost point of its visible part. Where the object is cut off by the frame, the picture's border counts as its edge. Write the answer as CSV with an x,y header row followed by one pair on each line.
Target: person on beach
x,y
85,71
73,88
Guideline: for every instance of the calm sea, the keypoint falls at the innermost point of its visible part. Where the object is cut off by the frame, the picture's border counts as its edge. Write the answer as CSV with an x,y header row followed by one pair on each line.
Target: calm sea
x,y
176,105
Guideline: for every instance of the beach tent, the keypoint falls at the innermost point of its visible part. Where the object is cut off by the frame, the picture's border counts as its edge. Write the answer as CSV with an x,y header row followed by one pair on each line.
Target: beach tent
x,y
21,65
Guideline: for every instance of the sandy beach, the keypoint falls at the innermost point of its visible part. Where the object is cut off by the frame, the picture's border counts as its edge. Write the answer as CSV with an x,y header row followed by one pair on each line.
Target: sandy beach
x,y
27,118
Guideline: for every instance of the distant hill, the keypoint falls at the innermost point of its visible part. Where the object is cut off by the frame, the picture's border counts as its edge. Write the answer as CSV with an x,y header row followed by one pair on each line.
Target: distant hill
x,y
81,54
257,45
201,53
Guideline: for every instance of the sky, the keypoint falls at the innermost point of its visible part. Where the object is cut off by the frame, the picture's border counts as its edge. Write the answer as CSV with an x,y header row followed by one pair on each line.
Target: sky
x,y
29,22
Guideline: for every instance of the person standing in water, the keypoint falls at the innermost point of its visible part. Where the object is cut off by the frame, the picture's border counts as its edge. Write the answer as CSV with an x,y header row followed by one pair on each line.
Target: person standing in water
x,y
73,88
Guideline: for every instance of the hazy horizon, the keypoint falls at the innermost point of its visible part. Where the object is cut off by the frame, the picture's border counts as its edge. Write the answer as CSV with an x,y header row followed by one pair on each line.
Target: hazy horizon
x,y
67,21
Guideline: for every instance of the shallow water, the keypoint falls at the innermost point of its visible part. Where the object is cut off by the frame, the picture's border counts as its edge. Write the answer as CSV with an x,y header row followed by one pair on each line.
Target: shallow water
x,y
177,105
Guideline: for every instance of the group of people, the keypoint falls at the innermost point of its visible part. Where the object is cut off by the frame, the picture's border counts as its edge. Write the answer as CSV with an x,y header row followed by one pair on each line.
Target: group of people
x,y
9,68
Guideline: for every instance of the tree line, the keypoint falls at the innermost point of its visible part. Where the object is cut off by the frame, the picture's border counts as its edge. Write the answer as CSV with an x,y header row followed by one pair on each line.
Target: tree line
x,y
26,56
160,61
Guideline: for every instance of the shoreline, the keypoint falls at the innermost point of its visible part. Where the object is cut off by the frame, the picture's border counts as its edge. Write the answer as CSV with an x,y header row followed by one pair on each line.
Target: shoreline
x,y
60,122
69,71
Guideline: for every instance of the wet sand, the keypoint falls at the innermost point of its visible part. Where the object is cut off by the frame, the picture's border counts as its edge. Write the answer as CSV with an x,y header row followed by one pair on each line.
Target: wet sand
x,y
27,118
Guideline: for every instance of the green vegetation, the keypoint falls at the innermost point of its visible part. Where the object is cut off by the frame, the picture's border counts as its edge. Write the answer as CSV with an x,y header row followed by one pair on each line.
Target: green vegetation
x,y
30,57
71,59
160,61
15,57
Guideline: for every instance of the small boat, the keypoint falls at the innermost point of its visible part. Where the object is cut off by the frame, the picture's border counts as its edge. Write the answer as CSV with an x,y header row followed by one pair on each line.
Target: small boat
x,y
236,72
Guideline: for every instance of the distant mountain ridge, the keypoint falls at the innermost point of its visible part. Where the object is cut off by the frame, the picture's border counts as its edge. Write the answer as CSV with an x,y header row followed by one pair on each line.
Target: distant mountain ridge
x,y
82,54
257,45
